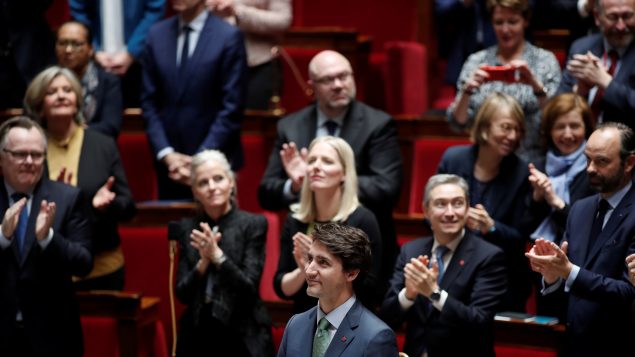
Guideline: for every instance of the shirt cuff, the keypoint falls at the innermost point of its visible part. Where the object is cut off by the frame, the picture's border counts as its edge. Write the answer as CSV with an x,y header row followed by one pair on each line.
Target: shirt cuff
x,y
46,241
582,8
439,304
164,152
4,242
551,288
287,193
575,270
404,302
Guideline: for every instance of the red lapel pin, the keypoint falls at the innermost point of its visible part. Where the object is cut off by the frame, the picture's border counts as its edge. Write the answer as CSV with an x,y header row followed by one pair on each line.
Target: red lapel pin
x,y
461,262
343,338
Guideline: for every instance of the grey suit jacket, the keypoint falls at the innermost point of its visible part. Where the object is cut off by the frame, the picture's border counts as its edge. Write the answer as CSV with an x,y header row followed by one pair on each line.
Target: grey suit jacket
x,y
361,333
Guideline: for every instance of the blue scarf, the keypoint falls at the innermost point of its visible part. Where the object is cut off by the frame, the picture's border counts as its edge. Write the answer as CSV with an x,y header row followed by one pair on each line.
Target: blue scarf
x,y
561,171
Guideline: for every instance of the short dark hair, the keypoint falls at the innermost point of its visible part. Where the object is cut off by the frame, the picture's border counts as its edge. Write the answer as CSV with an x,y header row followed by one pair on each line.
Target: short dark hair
x,y
21,121
560,105
349,244
89,32
627,138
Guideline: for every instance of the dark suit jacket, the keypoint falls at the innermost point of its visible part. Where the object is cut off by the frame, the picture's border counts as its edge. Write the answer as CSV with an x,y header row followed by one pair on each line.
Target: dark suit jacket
x,y
98,160
361,333
372,136
203,110
599,302
236,301
475,281
618,102
40,285
109,104
507,207
361,218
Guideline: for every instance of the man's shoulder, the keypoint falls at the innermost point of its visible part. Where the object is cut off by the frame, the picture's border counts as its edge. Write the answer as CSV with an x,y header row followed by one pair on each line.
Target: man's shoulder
x,y
162,25
297,118
58,189
583,44
368,113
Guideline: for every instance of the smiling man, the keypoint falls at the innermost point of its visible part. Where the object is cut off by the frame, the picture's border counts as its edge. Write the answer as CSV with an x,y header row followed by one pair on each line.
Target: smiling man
x,y
339,325
447,287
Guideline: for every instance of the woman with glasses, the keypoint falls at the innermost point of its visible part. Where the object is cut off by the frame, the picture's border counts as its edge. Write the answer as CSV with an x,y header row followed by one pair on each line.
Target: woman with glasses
x,y
531,74
498,184
87,159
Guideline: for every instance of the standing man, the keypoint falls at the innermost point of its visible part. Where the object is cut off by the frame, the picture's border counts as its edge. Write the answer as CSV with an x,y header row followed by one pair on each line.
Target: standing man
x,y
339,325
447,287
370,133
193,92
601,67
44,240
589,267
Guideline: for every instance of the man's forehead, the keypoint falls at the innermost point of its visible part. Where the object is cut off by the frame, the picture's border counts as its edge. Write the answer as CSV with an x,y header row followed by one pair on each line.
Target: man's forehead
x,y
22,136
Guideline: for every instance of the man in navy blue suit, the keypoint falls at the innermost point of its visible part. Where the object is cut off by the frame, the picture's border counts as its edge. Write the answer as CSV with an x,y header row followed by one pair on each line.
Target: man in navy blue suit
x,y
194,82
339,325
589,267
447,287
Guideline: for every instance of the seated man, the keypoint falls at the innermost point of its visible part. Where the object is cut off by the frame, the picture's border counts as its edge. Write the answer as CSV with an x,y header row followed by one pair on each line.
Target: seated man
x,y
45,239
448,305
339,254
601,67
371,134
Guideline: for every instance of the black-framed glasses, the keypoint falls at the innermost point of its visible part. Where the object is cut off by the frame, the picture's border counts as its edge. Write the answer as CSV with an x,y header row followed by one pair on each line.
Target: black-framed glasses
x,y
328,80
36,156
73,44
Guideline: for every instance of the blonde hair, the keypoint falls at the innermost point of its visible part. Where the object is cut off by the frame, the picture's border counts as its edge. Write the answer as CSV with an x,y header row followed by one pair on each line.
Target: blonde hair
x,y
492,105
305,211
35,93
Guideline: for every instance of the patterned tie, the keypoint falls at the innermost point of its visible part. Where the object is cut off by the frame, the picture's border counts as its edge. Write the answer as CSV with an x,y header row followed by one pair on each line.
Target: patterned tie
x,y
20,230
185,50
331,127
595,105
321,339
440,252
598,222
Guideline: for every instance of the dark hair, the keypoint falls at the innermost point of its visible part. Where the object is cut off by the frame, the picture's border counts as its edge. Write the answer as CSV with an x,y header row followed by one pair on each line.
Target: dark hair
x,y
349,244
627,138
559,106
89,32
521,6
21,121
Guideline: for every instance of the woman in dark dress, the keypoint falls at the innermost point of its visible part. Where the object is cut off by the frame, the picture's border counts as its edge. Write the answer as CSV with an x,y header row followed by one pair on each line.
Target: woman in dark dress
x,y
222,254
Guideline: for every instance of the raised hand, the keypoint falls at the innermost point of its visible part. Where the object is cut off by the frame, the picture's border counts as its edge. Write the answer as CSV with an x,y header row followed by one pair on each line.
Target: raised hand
x,y
64,176
294,162
478,219
301,246
11,217
104,196
45,219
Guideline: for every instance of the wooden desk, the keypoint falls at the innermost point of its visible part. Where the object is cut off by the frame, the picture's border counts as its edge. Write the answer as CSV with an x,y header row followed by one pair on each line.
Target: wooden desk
x,y
133,313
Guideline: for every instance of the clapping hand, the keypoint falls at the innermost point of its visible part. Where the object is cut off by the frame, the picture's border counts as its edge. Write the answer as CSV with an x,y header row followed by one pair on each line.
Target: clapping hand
x,y
294,162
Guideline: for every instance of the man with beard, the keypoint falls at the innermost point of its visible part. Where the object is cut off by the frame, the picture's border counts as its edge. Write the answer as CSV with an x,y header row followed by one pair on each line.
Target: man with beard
x,y
601,67
587,272
370,133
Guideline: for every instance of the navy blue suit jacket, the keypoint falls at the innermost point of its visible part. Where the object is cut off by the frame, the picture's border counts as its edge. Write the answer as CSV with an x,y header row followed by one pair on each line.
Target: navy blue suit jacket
x,y
361,333
475,281
203,110
599,302
618,102
40,284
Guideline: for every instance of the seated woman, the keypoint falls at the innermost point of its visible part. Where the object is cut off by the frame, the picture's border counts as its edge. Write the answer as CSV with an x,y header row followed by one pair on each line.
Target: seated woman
x,y
86,159
560,179
222,253
535,74
328,194
498,186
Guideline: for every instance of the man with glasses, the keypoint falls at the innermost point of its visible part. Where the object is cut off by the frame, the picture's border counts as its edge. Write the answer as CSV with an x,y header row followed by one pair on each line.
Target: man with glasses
x,y
44,240
601,67
370,132
103,103
447,287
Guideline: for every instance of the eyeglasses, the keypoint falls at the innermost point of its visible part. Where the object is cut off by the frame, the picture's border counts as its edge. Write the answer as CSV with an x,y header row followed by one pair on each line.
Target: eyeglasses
x,y
20,156
507,128
74,45
615,17
328,80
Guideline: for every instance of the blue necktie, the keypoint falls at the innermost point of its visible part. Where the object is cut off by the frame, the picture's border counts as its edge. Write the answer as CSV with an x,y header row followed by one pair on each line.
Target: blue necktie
x,y
331,127
440,252
20,230
185,50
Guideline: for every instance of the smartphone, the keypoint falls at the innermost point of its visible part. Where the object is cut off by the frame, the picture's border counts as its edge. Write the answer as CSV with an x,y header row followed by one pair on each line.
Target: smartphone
x,y
501,73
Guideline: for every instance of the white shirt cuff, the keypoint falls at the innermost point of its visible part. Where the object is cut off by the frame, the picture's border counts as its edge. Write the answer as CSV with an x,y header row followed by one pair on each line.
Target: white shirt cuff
x,y
575,270
164,152
287,193
404,302
582,8
439,304
4,242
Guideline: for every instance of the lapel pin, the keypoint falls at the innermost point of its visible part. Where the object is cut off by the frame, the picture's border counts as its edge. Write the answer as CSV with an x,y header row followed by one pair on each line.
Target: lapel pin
x,y
461,262
343,338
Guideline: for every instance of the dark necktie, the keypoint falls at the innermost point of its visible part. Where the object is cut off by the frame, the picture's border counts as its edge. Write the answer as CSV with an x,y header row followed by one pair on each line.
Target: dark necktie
x,y
20,230
185,50
595,106
321,339
331,127
440,252
596,228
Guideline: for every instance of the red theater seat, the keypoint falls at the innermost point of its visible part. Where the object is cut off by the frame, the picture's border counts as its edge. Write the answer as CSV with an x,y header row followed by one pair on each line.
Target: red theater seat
x,y
248,178
293,96
138,163
405,85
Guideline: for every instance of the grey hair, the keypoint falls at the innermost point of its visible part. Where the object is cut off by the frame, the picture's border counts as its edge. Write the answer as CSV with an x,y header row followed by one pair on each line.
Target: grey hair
x,y
443,179
219,158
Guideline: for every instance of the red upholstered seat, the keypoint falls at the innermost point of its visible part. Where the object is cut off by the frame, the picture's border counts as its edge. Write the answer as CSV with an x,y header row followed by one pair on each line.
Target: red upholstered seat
x,y
426,157
272,252
138,163
405,85
248,178
293,97
101,338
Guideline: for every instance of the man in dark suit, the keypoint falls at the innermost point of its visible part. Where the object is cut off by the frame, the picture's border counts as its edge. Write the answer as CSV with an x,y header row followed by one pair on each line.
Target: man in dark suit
x,y
370,133
339,325
193,92
601,67
447,287
589,267
45,239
